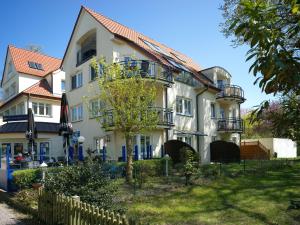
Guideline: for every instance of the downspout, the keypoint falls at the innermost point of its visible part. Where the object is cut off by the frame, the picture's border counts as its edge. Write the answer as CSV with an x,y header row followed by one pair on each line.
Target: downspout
x,y
28,97
166,106
197,118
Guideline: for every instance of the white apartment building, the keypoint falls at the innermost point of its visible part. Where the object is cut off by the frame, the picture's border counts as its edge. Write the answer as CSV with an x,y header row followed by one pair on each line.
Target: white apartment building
x,y
198,106
31,80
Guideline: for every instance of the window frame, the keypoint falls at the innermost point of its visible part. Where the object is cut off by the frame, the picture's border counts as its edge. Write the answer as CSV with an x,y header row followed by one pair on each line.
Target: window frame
x,y
212,110
77,80
44,105
184,103
77,108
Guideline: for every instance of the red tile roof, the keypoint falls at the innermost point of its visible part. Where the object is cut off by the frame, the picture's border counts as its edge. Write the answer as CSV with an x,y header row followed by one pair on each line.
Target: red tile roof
x,y
137,38
20,58
41,88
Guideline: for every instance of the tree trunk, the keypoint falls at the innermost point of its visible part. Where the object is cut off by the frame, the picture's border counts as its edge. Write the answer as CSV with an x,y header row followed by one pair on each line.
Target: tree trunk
x,y
129,166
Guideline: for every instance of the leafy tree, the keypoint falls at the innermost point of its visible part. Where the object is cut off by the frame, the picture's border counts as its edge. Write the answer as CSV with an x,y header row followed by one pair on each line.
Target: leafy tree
x,y
271,29
126,96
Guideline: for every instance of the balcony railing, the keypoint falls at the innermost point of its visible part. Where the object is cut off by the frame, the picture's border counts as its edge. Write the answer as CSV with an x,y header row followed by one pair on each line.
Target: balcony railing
x,y
148,69
231,92
231,125
165,117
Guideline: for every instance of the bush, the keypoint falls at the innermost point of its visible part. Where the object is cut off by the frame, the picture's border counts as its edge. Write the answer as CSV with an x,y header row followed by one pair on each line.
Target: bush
x,y
89,181
25,178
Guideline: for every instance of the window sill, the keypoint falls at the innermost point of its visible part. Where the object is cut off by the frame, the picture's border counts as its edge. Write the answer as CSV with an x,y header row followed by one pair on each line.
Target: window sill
x,y
75,88
185,115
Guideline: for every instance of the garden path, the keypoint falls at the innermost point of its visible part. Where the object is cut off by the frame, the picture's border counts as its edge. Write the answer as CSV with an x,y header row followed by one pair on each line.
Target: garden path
x,y
9,216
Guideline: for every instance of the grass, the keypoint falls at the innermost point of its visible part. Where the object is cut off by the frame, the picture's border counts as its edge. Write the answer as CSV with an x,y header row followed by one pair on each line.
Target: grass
x,y
254,198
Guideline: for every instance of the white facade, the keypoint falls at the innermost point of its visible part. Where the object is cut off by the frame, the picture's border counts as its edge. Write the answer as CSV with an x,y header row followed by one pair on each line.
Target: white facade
x,y
27,94
186,127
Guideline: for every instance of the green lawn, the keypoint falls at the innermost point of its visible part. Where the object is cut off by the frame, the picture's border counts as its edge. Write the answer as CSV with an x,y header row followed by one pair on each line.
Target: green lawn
x,y
241,199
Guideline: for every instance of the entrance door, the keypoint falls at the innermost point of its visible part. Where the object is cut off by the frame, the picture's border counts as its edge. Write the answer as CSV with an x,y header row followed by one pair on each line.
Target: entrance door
x,y
145,141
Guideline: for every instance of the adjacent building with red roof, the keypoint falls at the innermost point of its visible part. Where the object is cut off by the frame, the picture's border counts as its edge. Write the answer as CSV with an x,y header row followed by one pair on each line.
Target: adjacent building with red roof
x,y
31,80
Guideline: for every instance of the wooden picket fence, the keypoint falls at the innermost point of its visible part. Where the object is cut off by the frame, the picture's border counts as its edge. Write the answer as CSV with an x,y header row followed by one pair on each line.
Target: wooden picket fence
x,y
58,209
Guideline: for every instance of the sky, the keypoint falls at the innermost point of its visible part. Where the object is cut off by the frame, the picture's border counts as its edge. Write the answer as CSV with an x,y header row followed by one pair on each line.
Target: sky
x,y
189,26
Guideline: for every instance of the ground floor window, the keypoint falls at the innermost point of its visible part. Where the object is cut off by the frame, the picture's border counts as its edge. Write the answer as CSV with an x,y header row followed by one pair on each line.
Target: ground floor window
x,y
18,149
45,150
186,139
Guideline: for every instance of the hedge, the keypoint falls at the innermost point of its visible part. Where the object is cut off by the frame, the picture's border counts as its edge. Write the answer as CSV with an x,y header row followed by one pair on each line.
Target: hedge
x,y
25,178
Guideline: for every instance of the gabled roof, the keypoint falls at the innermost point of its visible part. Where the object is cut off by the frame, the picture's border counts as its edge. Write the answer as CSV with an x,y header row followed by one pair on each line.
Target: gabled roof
x,y
21,57
130,35
40,89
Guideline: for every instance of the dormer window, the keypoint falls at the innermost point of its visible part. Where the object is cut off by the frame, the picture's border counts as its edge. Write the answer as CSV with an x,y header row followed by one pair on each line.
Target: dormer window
x,y
177,65
34,65
178,57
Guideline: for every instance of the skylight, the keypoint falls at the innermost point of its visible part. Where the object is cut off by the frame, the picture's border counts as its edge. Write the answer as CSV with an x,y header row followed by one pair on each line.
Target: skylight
x,y
178,57
177,65
156,48
35,65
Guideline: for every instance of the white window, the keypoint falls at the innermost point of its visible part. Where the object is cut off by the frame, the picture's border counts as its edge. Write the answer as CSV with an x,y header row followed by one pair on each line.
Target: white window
x,y
184,106
77,113
187,139
95,106
156,48
41,109
20,108
212,110
76,81
63,85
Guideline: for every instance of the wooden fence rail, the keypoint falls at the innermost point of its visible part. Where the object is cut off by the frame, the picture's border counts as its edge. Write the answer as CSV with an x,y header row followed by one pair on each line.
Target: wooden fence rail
x,y
57,209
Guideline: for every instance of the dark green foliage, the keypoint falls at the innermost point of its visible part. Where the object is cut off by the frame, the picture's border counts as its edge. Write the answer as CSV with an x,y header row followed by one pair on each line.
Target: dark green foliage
x,y
88,180
25,178
271,30
189,165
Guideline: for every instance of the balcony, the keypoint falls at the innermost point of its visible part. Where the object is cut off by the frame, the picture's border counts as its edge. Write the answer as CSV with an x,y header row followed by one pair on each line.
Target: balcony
x,y
231,93
233,125
165,118
149,69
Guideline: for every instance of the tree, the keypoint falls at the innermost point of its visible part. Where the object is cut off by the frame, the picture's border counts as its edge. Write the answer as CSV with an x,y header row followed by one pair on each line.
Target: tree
x,y
127,97
271,29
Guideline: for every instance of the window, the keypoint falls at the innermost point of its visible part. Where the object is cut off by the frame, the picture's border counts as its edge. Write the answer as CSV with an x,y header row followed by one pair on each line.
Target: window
x,y
13,89
222,113
13,110
6,92
63,85
156,48
177,65
221,84
212,110
20,108
186,139
77,80
77,113
44,151
18,148
178,57
6,113
95,106
93,72
34,65
183,106
41,109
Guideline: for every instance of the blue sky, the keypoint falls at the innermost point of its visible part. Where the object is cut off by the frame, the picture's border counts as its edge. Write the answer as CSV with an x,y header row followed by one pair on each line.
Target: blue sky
x,y
189,26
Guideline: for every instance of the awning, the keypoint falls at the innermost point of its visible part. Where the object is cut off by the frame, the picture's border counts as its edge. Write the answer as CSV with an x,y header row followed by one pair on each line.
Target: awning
x,y
20,127
185,132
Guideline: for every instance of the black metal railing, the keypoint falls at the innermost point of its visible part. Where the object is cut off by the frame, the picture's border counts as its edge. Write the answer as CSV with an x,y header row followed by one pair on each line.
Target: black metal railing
x,y
165,117
231,91
188,78
231,125
148,69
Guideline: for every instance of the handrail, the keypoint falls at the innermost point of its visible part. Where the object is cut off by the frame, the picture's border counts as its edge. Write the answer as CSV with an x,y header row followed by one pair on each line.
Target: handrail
x,y
150,69
231,124
230,90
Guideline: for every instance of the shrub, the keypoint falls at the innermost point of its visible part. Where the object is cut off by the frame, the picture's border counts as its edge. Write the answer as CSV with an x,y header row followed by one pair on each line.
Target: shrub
x,y
25,178
89,181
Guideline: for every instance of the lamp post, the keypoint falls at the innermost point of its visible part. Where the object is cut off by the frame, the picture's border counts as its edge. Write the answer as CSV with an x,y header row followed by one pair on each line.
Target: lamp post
x,y
167,157
44,166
